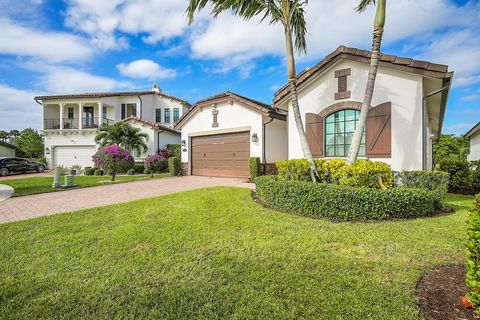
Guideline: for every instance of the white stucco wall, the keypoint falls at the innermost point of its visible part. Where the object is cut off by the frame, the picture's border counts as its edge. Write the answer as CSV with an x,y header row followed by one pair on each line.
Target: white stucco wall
x,y
275,140
231,118
403,90
166,137
474,147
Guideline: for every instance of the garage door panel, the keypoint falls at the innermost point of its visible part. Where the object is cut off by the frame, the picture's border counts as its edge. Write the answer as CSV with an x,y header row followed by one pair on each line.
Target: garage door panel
x,y
67,156
224,155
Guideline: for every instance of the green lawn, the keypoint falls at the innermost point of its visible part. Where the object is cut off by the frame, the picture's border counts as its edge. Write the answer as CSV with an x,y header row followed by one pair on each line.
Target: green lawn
x,y
215,254
37,185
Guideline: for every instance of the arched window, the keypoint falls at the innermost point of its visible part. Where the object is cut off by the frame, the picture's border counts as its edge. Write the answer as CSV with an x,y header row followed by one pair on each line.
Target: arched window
x,y
339,129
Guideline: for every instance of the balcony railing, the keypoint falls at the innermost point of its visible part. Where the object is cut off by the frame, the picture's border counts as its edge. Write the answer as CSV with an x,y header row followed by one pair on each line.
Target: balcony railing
x,y
73,123
90,122
51,123
70,123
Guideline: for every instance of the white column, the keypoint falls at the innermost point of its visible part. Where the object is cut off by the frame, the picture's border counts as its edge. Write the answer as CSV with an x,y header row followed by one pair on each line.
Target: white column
x,y
100,113
80,114
61,116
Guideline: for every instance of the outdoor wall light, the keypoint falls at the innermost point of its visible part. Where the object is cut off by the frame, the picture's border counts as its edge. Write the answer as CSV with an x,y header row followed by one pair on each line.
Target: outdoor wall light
x,y
184,143
254,138
47,150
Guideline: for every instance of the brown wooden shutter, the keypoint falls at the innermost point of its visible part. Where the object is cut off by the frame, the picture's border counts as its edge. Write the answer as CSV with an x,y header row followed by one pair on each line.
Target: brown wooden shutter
x,y
342,84
379,131
314,131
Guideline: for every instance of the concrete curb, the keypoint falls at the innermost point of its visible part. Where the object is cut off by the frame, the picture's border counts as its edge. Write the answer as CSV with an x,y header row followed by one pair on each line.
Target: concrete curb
x,y
5,192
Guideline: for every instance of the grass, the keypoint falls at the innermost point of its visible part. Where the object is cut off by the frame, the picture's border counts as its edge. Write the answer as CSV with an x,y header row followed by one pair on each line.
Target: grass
x,y
214,254
37,185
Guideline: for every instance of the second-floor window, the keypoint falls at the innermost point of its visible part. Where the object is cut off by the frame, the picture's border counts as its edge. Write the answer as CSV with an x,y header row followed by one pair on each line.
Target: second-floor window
x,y
176,114
128,110
104,112
158,115
167,115
70,113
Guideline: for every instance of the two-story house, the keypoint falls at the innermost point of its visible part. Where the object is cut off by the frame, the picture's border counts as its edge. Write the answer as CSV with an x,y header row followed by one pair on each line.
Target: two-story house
x,y
70,121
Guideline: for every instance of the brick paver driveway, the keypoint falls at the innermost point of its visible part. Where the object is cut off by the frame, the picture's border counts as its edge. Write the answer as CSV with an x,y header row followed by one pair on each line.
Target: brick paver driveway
x,y
26,207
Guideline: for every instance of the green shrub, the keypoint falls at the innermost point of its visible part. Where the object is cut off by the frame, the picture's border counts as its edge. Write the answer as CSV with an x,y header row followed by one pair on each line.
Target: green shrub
x,y
475,180
156,163
363,173
473,254
174,166
175,149
147,171
344,202
98,172
436,181
131,172
138,167
89,171
293,170
458,171
256,169
366,173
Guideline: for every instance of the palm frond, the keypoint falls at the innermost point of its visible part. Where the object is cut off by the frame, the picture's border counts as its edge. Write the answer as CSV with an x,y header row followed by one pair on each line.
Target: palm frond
x,y
363,5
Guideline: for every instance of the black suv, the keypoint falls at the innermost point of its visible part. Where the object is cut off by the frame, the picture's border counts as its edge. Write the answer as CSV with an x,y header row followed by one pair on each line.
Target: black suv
x,y
11,165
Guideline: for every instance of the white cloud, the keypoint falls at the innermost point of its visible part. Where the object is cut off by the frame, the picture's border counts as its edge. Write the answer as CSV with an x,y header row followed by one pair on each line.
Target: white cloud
x,y
158,20
61,79
18,110
145,69
471,97
52,46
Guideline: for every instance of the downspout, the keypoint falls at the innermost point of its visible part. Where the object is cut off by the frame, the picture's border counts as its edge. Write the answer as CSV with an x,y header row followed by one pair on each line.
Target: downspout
x,y
158,140
263,143
424,123
141,106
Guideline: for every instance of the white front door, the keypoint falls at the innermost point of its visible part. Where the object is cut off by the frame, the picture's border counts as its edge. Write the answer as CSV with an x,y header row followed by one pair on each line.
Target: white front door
x,y
69,155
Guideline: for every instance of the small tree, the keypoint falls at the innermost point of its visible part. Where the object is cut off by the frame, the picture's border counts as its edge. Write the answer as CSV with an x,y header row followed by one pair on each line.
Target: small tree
x,y
29,143
113,159
156,163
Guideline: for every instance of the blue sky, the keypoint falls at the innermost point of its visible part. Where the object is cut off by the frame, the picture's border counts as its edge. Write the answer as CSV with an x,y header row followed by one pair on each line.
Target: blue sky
x,y
49,47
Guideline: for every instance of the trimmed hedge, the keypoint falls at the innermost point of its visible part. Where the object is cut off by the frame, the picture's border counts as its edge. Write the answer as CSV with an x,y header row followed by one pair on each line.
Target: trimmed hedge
x,y
174,166
98,172
131,172
435,181
255,168
89,171
362,173
139,167
473,254
344,202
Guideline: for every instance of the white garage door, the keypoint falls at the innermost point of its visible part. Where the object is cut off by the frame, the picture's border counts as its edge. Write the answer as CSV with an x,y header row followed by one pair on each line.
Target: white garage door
x,y
68,156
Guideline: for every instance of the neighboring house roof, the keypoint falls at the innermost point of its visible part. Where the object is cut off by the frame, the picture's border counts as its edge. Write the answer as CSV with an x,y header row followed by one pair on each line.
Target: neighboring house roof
x,y
422,68
259,106
151,124
472,131
109,94
8,145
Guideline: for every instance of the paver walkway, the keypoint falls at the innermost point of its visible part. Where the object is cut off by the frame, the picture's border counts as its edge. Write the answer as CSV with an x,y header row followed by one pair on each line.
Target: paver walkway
x,y
27,207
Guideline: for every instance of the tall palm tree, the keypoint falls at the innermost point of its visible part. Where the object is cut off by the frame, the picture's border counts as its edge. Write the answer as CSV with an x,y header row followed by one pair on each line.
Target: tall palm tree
x,y
372,74
291,15
124,135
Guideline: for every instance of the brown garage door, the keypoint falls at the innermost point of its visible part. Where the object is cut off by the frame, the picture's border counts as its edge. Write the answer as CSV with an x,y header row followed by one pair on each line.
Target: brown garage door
x,y
222,155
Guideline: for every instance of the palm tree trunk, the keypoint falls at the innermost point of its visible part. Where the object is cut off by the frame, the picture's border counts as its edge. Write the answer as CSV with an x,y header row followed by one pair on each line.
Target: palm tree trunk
x,y
372,74
292,83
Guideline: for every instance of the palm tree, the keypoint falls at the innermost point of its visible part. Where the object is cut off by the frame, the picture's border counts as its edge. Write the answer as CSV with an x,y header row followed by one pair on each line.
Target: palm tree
x,y
124,135
289,13
372,74
4,135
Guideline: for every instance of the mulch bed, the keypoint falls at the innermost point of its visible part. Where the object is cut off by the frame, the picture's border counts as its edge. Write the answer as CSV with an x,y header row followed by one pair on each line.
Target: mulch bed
x,y
439,292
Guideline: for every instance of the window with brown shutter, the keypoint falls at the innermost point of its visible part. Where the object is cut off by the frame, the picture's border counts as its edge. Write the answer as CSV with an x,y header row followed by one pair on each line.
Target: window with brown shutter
x,y
314,132
342,84
379,131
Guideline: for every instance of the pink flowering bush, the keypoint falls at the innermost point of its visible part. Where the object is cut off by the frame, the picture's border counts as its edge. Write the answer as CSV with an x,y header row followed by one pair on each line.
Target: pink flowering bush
x,y
113,159
156,163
